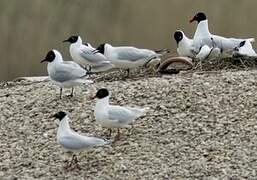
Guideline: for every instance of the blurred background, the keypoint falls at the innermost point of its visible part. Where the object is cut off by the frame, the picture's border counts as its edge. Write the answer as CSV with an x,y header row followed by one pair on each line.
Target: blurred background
x,y
30,28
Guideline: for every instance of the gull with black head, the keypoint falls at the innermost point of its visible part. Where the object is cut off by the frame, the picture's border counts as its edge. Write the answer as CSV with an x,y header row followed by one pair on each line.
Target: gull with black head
x,y
203,37
245,48
83,54
65,74
114,116
128,57
185,46
73,142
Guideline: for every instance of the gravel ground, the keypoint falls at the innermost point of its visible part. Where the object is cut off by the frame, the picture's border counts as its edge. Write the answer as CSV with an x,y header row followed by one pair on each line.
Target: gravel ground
x,y
199,126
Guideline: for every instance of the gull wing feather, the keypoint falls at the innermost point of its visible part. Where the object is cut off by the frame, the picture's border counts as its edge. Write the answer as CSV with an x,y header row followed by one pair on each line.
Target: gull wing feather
x,y
76,141
94,58
120,114
66,72
133,54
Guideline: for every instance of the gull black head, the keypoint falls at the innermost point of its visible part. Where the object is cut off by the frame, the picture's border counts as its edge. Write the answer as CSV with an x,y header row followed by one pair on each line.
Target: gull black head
x,y
49,57
242,43
102,93
60,115
72,39
100,48
178,36
200,16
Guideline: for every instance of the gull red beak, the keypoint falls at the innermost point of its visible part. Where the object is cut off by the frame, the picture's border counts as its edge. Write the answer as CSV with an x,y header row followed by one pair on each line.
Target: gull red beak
x,y
43,60
191,20
92,97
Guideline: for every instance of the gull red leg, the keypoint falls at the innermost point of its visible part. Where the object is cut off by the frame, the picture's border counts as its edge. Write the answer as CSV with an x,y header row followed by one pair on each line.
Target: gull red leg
x,y
76,165
117,137
69,164
61,93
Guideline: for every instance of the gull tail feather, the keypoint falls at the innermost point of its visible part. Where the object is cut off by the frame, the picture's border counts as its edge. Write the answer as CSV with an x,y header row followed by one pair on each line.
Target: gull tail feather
x,y
162,51
90,73
251,39
101,142
139,112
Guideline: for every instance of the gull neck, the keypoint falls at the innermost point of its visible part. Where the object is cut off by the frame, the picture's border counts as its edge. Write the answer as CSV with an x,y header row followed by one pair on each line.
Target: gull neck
x,y
202,28
103,101
64,124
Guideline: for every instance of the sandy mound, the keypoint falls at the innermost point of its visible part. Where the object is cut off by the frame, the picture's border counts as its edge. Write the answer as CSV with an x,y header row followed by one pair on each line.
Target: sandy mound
x,y
198,126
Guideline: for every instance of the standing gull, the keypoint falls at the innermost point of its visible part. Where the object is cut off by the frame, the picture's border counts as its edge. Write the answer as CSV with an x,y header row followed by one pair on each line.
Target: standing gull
x,y
127,57
111,116
65,74
72,141
202,35
83,54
